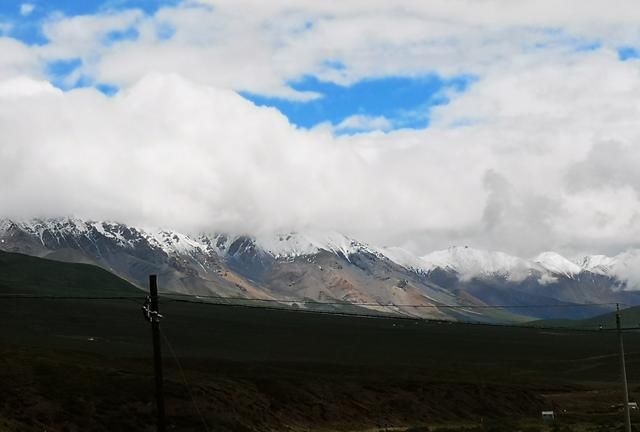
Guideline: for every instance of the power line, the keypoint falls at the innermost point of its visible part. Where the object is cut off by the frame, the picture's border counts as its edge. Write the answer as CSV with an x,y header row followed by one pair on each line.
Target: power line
x,y
527,324
286,307
184,379
370,304
57,297
225,300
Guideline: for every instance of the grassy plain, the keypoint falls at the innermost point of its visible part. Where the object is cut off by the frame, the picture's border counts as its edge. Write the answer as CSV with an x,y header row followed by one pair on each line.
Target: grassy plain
x,y
85,365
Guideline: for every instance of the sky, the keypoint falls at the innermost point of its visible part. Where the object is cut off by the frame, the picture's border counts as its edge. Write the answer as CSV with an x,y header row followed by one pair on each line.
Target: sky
x,y
506,125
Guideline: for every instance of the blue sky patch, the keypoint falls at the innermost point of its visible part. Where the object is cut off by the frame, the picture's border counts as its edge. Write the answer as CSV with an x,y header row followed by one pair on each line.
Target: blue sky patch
x,y
404,101
588,45
28,28
555,36
60,69
334,64
59,72
628,53
165,31
107,89
120,35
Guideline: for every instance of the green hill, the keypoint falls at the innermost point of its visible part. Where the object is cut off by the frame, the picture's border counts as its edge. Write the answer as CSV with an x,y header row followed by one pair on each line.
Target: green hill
x,y
22,274
630,318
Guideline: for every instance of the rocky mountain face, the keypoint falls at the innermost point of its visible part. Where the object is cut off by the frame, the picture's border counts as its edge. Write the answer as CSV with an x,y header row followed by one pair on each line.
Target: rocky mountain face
x,y
342,273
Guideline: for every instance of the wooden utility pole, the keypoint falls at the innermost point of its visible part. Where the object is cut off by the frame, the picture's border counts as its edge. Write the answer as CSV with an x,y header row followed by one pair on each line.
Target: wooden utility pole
x,y
152,313
627,412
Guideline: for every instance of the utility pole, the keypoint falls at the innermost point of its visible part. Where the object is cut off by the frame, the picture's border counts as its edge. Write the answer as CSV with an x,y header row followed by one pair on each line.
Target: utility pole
x,y
627,413
152,314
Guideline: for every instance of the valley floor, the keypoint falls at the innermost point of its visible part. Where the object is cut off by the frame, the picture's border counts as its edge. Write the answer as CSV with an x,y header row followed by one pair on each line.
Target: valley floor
x,y
86,366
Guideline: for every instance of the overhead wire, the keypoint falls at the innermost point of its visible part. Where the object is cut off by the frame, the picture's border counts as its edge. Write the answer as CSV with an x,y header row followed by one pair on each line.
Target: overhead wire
x,y
67,297
227,300
186,382
385,311
345,303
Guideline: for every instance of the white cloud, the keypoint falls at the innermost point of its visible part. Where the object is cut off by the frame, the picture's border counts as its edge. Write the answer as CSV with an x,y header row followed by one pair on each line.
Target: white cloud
x,y
19,59
169,151
83,36
21,87
26,9
363,123
546,160
626,267
253,46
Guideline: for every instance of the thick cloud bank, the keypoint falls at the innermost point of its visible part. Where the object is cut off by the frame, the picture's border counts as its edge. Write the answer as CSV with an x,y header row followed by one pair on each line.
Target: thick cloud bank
x,y
540,152
542,159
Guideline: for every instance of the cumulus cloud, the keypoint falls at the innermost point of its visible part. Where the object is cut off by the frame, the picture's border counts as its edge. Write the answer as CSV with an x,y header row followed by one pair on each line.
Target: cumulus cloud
x,y
172,152
627,269
265,45
18,59
84,36
168,152
362,123
26,9
538,154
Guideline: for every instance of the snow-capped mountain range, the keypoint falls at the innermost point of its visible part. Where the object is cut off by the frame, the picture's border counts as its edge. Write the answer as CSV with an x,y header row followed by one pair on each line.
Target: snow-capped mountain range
x,y
327,266
468,262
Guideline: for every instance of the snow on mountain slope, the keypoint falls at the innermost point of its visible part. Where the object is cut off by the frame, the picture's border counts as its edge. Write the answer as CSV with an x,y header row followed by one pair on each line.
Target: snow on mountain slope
x,y
403,258
599,264
326,265
470,263
466,262
57,229
626,267
300,244
173,242
5,224
557,264
288,246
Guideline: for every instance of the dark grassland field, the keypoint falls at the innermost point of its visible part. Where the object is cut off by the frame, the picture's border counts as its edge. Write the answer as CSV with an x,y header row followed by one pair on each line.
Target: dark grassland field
x,y
85,365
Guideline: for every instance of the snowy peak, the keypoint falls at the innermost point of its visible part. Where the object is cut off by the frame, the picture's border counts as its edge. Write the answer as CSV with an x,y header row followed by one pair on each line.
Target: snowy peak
x,y
557,264
466,262
470,263
301,244
61,230
625,267
289,245
403,258
598,264
5,225
172,242
547,267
